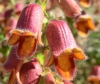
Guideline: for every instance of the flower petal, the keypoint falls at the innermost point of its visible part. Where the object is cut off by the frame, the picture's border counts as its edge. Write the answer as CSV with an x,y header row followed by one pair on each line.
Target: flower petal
x,y
50,61
90,24
78,54
27,46
82,30
65,66
14,39
84,23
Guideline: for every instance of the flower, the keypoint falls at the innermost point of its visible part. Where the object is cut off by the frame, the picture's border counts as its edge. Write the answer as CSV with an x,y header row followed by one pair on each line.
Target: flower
x,y
4,16
66,82
12,60
83,24
85,3
69,7
94,77
28,31
63,49
30,72
49,79
12,65
18,8
11,24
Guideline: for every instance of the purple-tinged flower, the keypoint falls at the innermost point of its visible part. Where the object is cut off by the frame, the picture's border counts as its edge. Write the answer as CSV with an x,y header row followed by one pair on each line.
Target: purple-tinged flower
x,y
94,77
63,49
11,24
30,72
49,79
69,7
28,31
12,65
18,8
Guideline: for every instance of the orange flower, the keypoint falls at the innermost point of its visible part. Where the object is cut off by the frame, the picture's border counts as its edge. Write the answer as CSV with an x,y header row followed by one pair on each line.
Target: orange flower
x,y
63,49
28,31
94,77
83,24
85,3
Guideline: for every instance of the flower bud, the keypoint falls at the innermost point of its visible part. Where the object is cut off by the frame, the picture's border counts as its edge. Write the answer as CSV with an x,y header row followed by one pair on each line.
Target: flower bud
x,y
69,7
48,79
30,72
28,31
63,49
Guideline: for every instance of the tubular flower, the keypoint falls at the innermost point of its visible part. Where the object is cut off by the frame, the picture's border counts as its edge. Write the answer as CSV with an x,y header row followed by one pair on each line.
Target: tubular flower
x,y
18,8
12,64
83,24
4,16
10,25
94,77
28,31
69,7
30,72
85,3
63,49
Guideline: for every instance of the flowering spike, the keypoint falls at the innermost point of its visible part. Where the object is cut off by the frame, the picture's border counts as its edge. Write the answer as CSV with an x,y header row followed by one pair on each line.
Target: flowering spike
x,y
69,7
28,30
